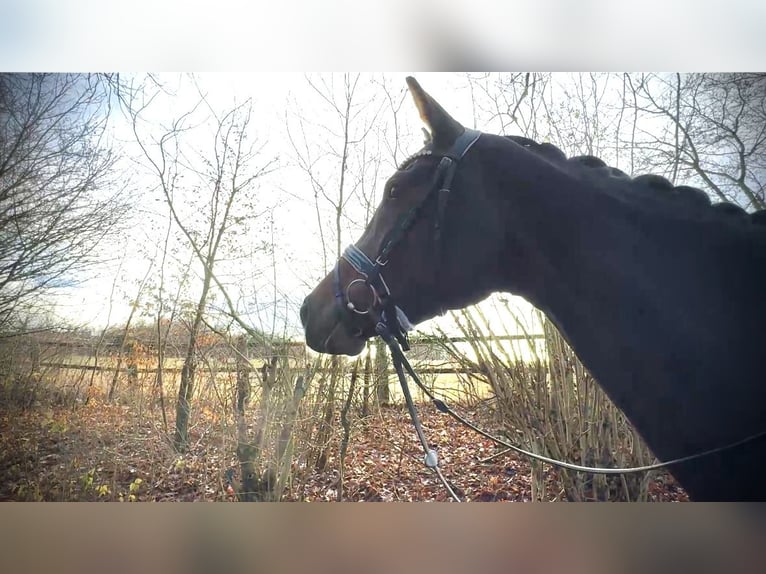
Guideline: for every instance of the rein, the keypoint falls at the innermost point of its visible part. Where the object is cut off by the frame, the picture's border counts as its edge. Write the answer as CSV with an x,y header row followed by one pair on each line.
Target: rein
x,y
431,460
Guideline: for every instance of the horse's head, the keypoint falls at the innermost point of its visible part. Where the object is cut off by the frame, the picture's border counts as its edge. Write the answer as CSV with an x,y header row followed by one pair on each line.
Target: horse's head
x,y
433,243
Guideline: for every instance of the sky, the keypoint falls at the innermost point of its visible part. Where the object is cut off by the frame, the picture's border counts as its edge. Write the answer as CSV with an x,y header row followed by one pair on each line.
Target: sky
x,y
545,35
104,297
253,38
285,197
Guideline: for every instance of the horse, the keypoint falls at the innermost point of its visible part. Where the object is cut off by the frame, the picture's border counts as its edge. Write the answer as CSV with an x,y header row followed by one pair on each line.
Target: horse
x,y
661,294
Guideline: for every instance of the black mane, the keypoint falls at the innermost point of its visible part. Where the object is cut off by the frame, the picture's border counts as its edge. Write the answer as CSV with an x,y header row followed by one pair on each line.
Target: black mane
x,y
425,152
653,187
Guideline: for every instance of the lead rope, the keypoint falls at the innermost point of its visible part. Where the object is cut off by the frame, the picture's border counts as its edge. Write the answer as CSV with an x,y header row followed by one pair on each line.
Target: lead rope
x,y
431,459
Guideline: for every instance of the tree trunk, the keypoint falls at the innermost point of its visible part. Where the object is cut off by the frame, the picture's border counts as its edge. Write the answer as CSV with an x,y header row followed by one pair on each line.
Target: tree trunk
x,y
366,384
346,424
326,424
382,390
246,451
186,388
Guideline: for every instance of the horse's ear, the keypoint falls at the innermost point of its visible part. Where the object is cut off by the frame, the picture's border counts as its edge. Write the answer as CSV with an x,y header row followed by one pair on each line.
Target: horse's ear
x,y
444,129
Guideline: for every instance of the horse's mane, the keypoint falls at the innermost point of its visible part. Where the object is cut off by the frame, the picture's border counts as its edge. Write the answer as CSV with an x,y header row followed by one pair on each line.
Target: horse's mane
x,y
654,186
410,159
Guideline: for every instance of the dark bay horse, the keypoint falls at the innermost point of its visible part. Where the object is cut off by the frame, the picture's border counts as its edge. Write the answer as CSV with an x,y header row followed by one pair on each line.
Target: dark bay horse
x,y
661,295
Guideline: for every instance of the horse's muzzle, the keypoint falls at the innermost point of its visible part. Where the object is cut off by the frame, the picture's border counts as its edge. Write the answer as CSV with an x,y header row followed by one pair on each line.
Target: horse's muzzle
x,y
324,331
304,312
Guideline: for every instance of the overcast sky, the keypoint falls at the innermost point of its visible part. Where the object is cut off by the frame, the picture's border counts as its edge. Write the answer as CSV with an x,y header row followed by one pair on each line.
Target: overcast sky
x,y
286,193
193,35
689,35
285,198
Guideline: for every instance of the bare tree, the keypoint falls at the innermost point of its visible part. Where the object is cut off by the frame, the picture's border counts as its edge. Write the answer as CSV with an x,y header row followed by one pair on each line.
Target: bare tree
x,y
226,177
714,132
343,167
57,198
512,102
134,305
343,173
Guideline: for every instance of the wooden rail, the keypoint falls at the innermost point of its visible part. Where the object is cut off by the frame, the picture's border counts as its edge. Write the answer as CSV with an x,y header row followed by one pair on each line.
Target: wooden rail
x,y
176,370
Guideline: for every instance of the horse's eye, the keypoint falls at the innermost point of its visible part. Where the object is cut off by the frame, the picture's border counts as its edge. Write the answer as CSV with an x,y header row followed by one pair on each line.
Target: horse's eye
x,y
392,191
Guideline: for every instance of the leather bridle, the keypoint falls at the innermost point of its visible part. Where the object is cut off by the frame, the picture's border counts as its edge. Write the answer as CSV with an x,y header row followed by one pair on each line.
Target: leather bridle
x,y
383,308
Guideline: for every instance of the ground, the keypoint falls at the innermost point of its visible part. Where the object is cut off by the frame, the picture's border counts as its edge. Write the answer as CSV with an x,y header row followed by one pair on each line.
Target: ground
x,y
119,453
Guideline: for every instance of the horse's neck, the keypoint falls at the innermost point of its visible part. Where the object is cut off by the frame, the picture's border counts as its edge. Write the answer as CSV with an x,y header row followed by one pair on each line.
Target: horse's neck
x,y
660,309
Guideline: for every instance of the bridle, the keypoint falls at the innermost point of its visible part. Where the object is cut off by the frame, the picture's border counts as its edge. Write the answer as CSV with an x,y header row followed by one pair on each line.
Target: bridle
x,y
383,307
388,319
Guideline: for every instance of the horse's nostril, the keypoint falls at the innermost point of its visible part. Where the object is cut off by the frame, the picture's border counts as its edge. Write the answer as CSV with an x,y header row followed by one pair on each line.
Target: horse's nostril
x,y
304,311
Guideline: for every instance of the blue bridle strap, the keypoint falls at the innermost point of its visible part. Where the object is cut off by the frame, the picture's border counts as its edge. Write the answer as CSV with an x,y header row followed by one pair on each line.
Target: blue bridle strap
x,y
359,261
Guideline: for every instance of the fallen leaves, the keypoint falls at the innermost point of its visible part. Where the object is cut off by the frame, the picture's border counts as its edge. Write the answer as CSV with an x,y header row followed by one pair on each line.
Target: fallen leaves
x,y
113,452
385,463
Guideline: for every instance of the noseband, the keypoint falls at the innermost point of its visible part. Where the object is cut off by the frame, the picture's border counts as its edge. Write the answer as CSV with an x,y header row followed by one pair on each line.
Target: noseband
x,y
383,308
